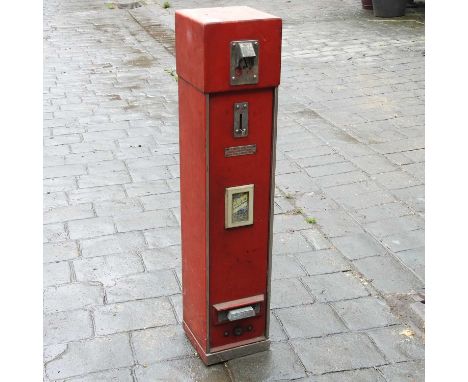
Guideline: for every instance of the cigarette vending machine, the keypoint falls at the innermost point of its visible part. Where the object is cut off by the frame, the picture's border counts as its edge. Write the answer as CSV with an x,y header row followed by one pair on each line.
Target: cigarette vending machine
x,y
228,65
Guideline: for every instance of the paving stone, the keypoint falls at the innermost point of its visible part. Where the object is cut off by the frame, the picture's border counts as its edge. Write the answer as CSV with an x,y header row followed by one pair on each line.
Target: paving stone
x,y
116,375
176,301
315,320
72,296
337,352
335,286
96,194
162,258
145,220
276,331
54,200
284,267
290,242
162,201
143,285
132,242
53,351
65,213
358,246
189,369
384,211
395,345
330,169
117,207
387,275
63,327
163,237
85,228
320,262
362,375
63,171
88,157
337,223
396,180
279,363
313,202
154,187
405,241
356,202
59,184
374,164
64,250
106,269
316,239
393,226
365,313
158,344
106,167
92,355
104,179
133,315
414,260
292,183
404,372
289,292
54,233
56,273
289,223
340,179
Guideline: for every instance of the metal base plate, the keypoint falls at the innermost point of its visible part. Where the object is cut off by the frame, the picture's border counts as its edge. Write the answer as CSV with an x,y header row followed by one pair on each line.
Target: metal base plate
x,y
225,355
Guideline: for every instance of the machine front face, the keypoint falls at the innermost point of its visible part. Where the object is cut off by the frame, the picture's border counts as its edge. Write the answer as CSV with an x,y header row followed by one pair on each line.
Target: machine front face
x,y
240,179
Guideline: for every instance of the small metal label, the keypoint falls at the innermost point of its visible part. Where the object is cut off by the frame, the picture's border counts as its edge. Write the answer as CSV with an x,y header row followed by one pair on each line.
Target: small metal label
x,y
235,151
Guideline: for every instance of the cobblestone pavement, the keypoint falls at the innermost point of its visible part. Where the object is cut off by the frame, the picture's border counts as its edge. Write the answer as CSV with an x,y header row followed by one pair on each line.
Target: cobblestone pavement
x,y
347,291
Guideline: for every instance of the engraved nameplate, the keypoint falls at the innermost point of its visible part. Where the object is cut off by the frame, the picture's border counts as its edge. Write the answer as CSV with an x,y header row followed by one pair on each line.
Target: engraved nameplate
x,y
235,151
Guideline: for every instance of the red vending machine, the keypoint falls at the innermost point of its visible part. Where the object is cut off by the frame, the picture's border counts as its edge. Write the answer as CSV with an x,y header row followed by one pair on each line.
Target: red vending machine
x,y
228,63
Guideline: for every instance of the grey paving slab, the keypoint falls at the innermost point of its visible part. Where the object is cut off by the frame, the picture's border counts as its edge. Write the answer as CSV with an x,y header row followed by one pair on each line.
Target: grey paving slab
x,y
64,250
387,275
316,239
132,315
279,363
338,352
72,296
188,369
335,286
365,313
92,227
404,372
284,267
289,292
116,375
398,343
362,375
56,273
315,320
163,237
132,242
158,344
63,327
320,262
145,220
92,355
358,246
105,269
162,258
143,285
290,242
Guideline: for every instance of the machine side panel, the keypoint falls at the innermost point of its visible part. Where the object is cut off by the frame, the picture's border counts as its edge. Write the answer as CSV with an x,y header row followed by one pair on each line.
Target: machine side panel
x,y
193,207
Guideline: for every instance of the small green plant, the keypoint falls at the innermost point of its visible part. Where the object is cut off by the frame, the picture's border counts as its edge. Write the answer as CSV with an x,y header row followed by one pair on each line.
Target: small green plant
x,y
289,196
173,74
110,5
166,5
311,220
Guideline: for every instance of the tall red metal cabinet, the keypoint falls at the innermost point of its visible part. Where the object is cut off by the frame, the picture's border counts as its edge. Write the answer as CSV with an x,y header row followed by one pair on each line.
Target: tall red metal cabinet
x,y
228,64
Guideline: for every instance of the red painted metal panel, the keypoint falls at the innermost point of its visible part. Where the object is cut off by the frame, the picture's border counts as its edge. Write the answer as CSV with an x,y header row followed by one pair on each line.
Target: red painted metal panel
x,y
203,39
192,139
239,256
